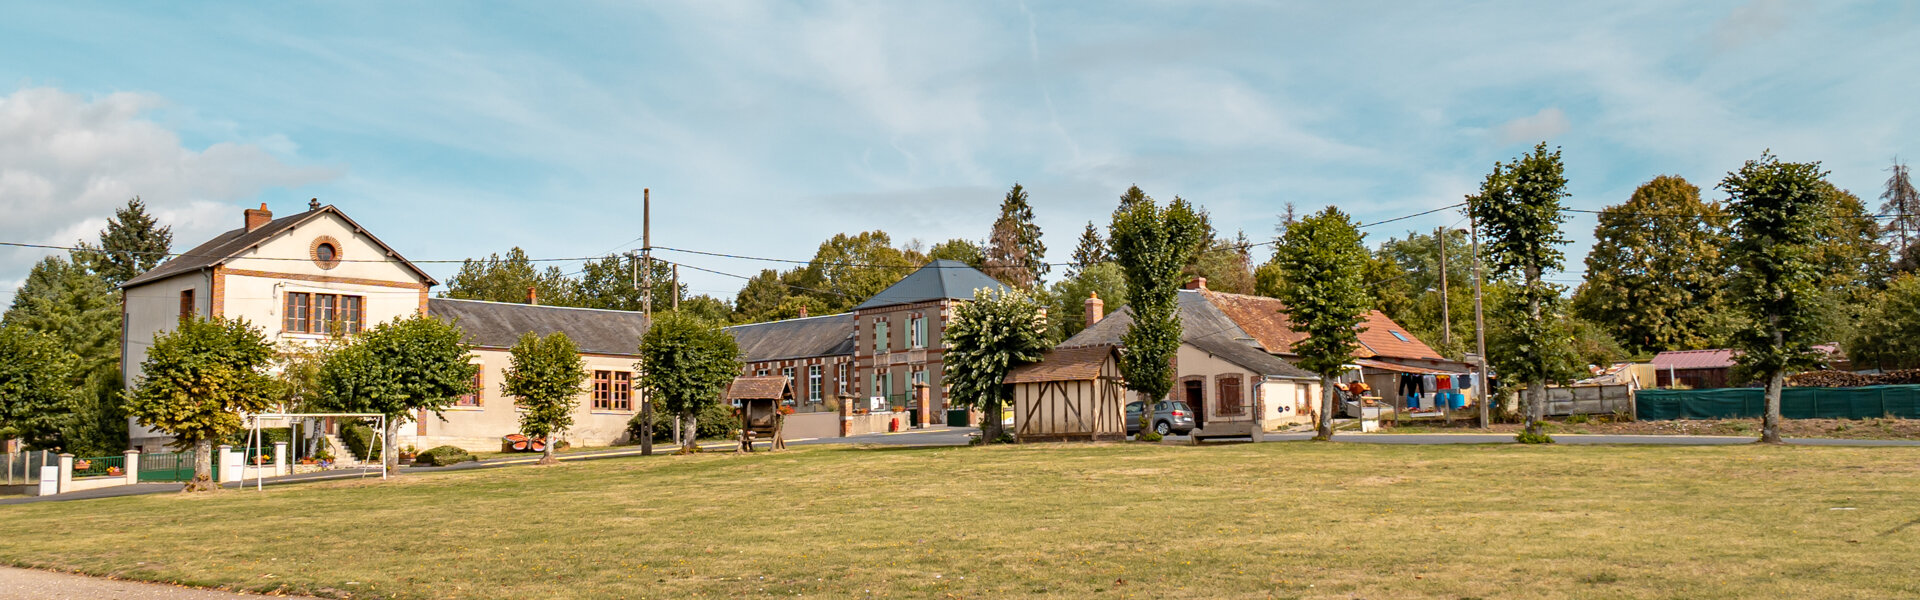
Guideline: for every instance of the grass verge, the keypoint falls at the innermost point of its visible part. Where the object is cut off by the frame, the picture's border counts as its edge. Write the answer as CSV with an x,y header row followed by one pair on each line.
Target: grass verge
x,y
1286,520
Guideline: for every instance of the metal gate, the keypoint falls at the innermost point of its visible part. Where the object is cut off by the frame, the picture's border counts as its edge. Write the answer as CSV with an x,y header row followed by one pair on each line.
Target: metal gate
x,y
171,466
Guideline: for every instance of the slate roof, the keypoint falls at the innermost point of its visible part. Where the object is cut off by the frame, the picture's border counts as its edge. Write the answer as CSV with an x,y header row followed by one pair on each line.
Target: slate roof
x,y
948,279
757,388
500,324
1205,327
830,335
233,243
1063,364
1262,318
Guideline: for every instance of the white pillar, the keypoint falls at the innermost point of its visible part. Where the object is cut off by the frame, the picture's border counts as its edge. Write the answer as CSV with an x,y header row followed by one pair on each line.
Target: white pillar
x,y
232,465
279,458
66,474
132,467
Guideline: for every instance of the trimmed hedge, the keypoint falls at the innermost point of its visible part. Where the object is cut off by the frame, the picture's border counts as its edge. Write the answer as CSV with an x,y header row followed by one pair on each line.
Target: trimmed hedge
x,y
361,440
442,456
716,422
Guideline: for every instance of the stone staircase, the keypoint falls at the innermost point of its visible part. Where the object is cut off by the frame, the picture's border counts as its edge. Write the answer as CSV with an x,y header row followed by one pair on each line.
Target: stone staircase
x,y
342,457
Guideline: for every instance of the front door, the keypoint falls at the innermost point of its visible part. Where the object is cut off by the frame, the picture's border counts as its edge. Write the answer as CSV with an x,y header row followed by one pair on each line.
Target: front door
x,y
1195,396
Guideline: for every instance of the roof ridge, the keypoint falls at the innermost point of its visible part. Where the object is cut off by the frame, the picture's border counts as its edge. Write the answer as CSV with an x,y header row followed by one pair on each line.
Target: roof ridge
x,y
838,314
611,310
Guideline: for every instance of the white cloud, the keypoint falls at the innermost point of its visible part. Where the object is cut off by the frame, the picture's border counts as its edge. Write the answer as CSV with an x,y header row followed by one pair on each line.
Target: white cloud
x,y
1544,125
66,162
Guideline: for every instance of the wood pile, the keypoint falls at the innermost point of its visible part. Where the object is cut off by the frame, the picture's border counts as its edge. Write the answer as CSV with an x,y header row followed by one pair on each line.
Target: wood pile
x,y
1845,379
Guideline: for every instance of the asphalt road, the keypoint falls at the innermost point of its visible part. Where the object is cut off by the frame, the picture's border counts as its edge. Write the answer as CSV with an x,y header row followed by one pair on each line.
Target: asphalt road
x,y
28,584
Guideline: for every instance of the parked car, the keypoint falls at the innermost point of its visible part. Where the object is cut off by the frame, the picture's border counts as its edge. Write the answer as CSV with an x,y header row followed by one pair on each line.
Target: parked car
x,y
1169,418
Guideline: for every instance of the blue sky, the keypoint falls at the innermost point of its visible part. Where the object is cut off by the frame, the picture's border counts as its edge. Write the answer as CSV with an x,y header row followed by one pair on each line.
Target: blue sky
x,y
455,130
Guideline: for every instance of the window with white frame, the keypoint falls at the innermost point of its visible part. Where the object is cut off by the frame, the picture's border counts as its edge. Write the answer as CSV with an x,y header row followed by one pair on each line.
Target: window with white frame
x,y
840,378
917,331
813,383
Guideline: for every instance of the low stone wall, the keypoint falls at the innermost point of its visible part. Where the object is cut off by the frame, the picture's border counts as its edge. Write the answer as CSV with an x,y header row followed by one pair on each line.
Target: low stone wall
x,y
812,425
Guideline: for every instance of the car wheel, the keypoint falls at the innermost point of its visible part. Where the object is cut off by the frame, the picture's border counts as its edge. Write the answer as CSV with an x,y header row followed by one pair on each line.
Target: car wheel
x,y
1162,428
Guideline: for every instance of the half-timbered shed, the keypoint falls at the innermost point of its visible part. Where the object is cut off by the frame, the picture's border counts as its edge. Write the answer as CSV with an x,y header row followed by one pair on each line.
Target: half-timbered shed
x,y
1073,394
761,399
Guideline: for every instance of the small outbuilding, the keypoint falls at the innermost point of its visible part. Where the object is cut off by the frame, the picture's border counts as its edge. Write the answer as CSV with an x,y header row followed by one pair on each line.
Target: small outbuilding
x,y
761,400
1072,394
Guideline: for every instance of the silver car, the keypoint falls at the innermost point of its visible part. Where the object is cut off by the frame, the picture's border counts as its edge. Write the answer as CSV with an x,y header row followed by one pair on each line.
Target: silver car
x,y
1169,418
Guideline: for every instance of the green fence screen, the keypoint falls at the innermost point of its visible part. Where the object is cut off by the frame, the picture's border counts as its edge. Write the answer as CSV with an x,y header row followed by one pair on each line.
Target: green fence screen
x,y
1870,402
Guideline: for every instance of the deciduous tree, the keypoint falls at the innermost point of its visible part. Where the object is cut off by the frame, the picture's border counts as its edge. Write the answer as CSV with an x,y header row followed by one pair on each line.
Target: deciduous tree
x,y
497,279
1779,213
399,369
685,365
544,377
959,249
989,336
1069,297
1889,336
1152,245
196,382
1655,273
36,394
1327,298
1518,208
614,283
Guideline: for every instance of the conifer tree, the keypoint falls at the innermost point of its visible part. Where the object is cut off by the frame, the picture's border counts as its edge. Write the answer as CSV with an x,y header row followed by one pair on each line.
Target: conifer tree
x,y
132,243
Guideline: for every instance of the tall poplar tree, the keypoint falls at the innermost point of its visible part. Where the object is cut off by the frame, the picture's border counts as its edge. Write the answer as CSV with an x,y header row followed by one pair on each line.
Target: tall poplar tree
x,y
1327,298
1778,213
1152,245
1518,208
1655,273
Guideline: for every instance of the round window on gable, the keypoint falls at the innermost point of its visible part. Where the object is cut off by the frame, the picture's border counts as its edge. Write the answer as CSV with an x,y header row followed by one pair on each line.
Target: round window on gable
x,y
326,252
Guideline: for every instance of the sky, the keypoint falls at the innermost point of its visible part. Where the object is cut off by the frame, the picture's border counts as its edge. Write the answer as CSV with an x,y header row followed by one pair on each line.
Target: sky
x,y
456,130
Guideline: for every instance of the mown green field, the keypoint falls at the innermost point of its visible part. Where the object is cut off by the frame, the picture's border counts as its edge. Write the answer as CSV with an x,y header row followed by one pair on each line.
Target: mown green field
x,y
1281,520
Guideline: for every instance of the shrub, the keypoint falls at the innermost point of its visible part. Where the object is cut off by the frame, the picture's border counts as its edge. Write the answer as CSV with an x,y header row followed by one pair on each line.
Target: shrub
x,y
1527,437
442,456
361,440
1149,435
1578,419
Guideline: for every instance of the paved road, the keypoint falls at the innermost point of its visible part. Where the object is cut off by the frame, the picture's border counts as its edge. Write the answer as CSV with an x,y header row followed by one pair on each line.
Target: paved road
x,y
27,584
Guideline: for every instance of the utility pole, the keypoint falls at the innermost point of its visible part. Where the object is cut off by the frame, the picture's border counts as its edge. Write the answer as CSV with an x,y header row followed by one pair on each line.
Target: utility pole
x,y
1446,317
676,287
1479,331
646,305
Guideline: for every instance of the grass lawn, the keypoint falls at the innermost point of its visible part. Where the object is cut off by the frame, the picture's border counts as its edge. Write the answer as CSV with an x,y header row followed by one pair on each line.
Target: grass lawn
x,y
1062,521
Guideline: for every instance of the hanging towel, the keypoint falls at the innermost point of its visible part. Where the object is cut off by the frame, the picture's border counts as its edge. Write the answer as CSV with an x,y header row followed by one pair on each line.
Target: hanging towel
x,y
1446,382
1430,382
1464,381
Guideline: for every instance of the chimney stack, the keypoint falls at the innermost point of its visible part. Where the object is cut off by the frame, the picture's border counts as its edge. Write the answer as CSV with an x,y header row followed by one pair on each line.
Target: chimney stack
x,y
1197,283
257,218
1096,308
533,296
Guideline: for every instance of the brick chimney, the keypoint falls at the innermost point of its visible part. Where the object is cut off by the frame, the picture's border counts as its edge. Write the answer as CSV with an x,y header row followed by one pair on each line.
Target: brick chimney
x,y
1096,308
1197,283
533,296
257,218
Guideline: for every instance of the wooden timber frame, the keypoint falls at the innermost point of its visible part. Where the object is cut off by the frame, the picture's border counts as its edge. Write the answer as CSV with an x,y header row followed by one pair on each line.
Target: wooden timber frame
x,y
1072,394
760,399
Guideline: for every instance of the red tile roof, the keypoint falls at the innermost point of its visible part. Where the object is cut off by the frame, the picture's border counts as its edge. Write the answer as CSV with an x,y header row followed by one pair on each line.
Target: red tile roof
x,y
1265,320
